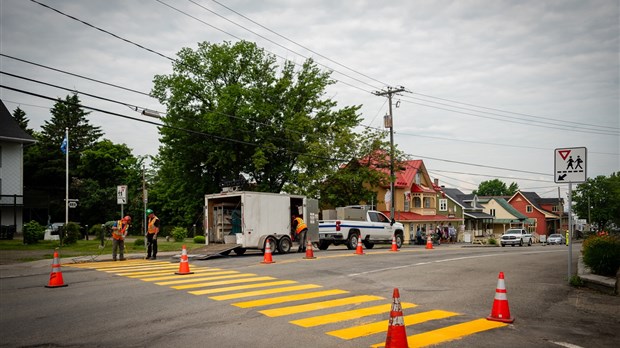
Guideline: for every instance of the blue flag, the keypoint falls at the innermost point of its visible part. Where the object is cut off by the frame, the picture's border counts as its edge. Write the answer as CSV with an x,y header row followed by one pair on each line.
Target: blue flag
x,y
63,146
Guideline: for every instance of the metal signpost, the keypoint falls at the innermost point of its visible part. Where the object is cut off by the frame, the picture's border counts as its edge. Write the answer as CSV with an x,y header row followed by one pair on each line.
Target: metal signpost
x,y
570,167
121,196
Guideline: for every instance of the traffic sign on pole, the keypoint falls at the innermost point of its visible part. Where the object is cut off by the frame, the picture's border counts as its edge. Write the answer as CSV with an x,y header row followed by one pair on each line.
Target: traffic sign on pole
x,y
121,194
570,165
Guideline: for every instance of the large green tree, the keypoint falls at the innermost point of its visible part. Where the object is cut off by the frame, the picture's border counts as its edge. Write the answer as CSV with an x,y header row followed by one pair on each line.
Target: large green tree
x,y
598,200
231,111
20,116
496,187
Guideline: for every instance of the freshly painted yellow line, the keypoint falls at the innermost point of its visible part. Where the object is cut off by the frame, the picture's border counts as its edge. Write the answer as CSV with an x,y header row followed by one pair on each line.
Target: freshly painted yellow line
x,y
137,269
165,272
111,265
153,271
261,292
186,276
348,315
278,312
242,287
205,277
221,282
288,298
450,333
382,326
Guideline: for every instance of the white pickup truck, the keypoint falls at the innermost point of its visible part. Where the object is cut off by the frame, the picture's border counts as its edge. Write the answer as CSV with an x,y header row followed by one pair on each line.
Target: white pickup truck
x,y
356,223
516,236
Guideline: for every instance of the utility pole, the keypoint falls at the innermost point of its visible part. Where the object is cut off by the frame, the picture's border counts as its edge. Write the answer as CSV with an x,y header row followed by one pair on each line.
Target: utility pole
x,y
388,122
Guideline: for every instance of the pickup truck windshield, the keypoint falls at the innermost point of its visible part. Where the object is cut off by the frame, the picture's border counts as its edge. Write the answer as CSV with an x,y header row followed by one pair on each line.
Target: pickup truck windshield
x,y
377,217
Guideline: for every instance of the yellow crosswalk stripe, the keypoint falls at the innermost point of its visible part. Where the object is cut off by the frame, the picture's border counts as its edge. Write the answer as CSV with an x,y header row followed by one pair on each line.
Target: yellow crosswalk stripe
x,y
204,278
278,312
242,287
382,326
221,282
261,292
449,333
152,271
186,276
200,271
348,315
288,298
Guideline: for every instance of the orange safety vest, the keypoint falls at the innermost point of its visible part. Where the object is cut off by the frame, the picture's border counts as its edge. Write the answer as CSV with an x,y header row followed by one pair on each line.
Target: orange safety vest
x,y
301,225
120,231
152,227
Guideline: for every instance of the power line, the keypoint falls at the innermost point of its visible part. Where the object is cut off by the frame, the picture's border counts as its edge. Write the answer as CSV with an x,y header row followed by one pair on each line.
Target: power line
x,y
481,165
490,176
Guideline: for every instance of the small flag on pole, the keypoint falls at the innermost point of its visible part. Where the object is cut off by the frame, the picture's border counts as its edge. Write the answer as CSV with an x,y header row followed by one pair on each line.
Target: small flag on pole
x,y
63,146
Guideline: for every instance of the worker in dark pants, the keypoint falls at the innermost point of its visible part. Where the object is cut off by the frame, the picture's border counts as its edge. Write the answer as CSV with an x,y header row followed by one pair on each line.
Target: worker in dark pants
x,y
151,236
300,228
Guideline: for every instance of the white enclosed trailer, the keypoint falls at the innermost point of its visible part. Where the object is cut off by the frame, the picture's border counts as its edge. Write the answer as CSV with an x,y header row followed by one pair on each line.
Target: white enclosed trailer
x,y
241,220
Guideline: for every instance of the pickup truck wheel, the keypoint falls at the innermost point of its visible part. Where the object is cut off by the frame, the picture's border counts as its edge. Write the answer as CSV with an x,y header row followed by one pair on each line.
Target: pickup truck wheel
x,y
529,242
323,245
352,241
399,241
284,246
521,243
503,245
369,245
239,251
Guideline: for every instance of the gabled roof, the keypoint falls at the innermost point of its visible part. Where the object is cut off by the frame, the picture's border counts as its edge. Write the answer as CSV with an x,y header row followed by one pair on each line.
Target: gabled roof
x,y
534,199
509,208
405,173
10,131
464,200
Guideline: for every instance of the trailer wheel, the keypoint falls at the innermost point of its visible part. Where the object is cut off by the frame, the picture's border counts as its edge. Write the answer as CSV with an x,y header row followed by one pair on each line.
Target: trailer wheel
x,y
239,251
284,246
352,241
273,244
323,245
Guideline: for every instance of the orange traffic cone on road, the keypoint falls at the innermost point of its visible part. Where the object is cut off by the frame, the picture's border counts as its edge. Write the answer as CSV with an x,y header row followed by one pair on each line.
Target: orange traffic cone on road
x,y
359,250
184,265
56,280
501,310
429,243
394,246
268,258
309,251
397,333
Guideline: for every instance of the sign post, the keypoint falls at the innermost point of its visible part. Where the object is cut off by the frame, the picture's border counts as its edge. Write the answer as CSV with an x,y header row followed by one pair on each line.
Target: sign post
x,y
570,167
121,196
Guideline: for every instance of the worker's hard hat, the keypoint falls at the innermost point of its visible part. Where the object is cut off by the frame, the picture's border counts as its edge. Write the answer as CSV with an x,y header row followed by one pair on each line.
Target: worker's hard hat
x,y
127,218
149,211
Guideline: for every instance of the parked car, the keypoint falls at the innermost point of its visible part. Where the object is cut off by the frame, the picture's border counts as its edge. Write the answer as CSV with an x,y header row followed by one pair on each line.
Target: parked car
x,y
52,231
516,236
556,238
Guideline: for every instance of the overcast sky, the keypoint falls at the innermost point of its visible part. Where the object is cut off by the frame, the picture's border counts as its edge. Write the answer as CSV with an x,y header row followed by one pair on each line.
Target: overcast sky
x,y
488,83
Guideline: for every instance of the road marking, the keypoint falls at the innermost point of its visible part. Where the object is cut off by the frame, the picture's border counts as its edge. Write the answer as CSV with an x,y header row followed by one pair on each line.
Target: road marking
x,y
348,315
187,276
382,326
278,312
262,292
200,271
221,282
205,277
241,287
289,298
449,333
565,344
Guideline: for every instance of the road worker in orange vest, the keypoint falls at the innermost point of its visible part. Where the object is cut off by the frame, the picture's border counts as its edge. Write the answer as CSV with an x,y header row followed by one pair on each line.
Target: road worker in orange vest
x,y
119,232
151,236
301,229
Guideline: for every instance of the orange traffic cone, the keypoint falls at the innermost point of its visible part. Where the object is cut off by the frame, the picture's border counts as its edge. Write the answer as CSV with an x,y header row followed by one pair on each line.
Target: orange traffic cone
x,y
501,310
267,258
56,280
309,251
429,243
396,334
359,250
394,246
184,265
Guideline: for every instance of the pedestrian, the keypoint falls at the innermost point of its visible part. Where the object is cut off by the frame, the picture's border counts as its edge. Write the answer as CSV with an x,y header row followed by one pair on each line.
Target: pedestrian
x,y
119,232
151,236
300,228
418,236
452,233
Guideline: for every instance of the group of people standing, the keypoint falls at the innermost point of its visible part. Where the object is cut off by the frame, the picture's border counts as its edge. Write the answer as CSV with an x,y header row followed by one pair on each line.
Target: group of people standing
x,y
441,233
121,228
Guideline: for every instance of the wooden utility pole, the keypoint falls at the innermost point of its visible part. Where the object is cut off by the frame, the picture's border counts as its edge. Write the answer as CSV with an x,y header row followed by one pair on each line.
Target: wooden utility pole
x,y
388,122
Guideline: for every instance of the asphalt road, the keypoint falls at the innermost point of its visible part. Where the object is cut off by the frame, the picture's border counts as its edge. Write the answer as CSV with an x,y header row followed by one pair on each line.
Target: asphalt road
x,y
447,293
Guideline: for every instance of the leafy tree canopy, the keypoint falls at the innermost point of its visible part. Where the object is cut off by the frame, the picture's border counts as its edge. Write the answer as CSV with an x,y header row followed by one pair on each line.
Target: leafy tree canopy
x,y
496,187
598,200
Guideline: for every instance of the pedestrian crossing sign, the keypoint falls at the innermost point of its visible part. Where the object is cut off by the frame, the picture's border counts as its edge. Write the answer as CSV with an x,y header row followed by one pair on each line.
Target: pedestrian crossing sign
x,y
570,165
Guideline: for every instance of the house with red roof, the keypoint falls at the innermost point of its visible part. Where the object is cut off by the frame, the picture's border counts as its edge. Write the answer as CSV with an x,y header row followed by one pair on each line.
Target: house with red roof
x,y
545,211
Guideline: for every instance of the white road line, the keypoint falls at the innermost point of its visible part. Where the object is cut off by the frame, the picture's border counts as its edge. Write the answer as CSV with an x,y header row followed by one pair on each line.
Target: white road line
x,y
567,345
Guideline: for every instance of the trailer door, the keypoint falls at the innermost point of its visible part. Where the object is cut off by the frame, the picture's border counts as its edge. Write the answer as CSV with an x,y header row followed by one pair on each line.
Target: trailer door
x,y
311,215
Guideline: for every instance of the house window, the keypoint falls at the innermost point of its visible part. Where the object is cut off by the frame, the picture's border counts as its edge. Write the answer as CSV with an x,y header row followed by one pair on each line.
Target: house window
x,y
443,204
417,178
427,202
555,208
407,205
417,202
529,209
492,212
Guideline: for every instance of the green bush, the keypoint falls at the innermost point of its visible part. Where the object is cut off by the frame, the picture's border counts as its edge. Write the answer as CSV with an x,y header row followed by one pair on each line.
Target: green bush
x,y
179,234
576,281
96,230
138,243
602,254
492,241
199,239
72,233
33,232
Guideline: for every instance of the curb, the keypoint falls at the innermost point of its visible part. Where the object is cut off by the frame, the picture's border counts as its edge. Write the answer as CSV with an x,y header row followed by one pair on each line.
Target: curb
x,y
608,285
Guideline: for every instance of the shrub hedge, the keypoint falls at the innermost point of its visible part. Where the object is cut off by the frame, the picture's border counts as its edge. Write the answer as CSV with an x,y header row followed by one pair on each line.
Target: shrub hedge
x,y
602,254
